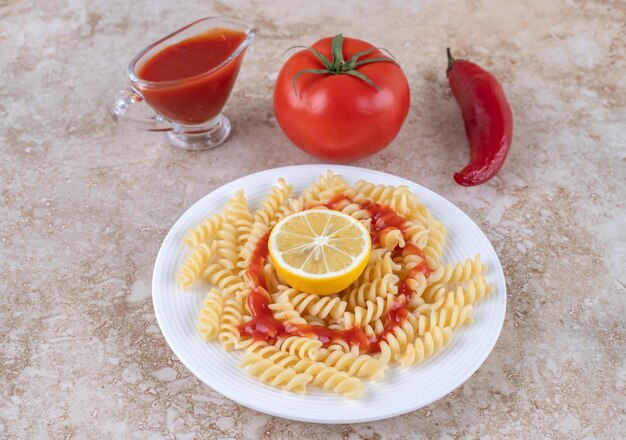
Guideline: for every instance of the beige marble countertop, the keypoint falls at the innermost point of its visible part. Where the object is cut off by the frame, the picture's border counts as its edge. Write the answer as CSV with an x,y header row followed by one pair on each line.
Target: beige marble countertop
x,y
86,205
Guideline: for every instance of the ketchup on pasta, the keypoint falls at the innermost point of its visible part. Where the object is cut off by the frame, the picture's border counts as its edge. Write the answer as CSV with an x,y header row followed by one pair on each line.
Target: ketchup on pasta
x,y
264,327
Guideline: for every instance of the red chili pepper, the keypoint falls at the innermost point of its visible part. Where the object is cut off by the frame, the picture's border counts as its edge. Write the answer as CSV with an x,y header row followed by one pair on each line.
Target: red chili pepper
x,y
487,116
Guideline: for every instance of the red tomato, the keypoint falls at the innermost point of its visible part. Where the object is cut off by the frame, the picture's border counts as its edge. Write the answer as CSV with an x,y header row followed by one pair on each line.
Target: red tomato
x,y
341,117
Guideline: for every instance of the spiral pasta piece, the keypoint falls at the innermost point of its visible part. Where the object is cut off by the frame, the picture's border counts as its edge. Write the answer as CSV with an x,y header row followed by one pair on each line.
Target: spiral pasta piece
x,y
273,354
409,261
271,277
377,254
398,339
416,233
377,268
259,230
438,299
425,346
417,284
399,198
276,375
269,208
304,348
458,273
339,345
363,366
435,243
373,328
475,290
352,209
376,193
433,292
286,312
289,207
452,317
323,375
210,314
420,216
316,320
330,378
196,263
455,316
404,202
222,274
231,319
472,291
240,217
391,238
321,307
204,231
454,297
417,306
326,187
380,287
372,311
227,243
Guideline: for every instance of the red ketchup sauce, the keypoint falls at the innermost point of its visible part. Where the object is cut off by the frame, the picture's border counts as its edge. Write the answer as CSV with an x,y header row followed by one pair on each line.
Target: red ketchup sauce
x,y
264,327
193,98
423,267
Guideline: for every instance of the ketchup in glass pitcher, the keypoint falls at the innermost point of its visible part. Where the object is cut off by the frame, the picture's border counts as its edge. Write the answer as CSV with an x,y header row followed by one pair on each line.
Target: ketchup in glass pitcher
x,y
180,83
194,100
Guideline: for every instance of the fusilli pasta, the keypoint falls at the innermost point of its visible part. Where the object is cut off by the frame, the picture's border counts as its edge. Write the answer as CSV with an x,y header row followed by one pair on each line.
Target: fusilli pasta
x,y
210,313
319,306
402,308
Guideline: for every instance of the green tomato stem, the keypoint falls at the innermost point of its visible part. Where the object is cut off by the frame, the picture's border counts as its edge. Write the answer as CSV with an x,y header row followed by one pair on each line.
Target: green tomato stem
x,y
338,65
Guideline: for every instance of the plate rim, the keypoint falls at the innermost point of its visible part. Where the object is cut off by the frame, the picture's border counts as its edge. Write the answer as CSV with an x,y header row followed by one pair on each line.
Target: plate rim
x,y
339,169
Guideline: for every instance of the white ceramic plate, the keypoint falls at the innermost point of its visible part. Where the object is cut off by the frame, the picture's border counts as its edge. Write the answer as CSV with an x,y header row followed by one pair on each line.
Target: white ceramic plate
x,y
402,390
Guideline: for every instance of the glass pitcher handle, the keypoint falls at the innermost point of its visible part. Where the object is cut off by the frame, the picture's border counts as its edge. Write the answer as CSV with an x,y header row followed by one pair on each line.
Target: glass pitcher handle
x,y
124,100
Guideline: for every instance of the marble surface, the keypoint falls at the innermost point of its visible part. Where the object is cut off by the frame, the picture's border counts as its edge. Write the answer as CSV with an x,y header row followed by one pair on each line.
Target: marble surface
x,y
85,206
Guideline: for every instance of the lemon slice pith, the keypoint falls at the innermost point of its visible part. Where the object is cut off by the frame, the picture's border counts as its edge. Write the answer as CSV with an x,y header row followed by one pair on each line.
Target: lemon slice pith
x,y
319,250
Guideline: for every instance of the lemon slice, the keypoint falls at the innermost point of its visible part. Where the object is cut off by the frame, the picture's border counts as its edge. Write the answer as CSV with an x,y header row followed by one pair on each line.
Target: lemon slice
x,y
319,250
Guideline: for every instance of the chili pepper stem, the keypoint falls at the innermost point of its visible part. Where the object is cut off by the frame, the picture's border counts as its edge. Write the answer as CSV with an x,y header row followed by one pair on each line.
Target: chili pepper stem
x,y
451,59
